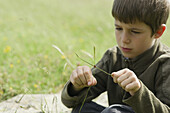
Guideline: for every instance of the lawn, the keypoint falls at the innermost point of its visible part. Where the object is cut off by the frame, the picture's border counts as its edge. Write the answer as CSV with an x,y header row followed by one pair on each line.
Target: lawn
x,y
29,28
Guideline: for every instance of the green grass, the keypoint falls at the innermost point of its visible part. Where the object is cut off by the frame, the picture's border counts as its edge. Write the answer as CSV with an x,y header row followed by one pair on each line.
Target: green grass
x,y
29,28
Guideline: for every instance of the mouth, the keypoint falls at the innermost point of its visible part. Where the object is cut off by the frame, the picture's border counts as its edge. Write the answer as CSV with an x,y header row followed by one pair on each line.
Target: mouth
x,y
126,49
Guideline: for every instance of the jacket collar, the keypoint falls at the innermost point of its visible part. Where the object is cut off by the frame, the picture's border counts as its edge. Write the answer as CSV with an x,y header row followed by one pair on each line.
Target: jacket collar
x,y
141,62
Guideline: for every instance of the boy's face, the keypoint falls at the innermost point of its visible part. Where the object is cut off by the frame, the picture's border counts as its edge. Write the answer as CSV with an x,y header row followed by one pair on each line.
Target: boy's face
x,y
133,39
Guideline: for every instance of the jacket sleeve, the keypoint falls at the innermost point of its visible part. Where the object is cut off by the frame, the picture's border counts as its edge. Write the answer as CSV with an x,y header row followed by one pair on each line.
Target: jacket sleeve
x,y
72,101
144,101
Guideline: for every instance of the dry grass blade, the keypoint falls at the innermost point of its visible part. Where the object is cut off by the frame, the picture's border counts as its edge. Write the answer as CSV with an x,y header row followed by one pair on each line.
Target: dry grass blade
x,y
62,53
84,100
16,110
83,60
46,104
42,109
54,102
65,65
94,49
86,53
103,71
20,99
92,65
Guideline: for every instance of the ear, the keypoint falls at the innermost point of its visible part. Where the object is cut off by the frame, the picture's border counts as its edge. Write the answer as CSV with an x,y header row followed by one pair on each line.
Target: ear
x,y
160,31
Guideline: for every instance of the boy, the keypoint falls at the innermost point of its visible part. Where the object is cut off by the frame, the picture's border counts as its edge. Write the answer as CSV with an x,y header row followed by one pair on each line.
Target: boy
x,y
139,65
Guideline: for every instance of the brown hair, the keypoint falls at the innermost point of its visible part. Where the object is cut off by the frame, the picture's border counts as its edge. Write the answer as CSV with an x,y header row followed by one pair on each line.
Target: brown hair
x,y
151,12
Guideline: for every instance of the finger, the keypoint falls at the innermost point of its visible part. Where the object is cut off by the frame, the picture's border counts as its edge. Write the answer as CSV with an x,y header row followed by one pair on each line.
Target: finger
x,y
74,83
72,77
94,81
81,75
124,83
117,74
120,72
123,77
133,86
75,78
77,85
115,77
88,75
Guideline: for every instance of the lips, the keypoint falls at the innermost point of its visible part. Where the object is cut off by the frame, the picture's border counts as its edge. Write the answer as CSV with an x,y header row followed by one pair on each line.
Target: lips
x,y
126,49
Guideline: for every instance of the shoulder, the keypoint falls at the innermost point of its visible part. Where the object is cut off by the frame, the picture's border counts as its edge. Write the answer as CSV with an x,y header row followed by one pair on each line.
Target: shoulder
x,y
164,50
108,59
112,52
166,77
163,53
164,63
112,56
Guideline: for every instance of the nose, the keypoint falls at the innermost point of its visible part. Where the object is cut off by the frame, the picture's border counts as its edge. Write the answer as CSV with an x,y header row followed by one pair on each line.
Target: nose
x,y
125,37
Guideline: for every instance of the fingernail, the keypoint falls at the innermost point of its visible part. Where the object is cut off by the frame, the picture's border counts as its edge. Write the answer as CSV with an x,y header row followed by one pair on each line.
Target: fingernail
x,y
89,83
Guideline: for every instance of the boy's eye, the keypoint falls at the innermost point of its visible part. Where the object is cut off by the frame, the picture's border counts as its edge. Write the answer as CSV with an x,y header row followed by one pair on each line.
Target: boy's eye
x,y
136,32
118,28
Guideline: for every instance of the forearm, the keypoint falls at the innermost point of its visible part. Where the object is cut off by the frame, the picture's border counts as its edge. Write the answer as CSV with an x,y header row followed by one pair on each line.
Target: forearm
x,y
72,91
144,101
73,99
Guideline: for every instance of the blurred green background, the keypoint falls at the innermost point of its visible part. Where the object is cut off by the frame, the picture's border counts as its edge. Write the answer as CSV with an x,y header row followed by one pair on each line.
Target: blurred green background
x,y
29,28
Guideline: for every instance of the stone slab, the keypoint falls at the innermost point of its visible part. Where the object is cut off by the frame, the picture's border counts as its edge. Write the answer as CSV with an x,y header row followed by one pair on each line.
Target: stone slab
x,y
40,103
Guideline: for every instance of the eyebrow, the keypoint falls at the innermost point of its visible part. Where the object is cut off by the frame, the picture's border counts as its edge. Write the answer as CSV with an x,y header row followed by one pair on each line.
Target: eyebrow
x,y
131,28
117,25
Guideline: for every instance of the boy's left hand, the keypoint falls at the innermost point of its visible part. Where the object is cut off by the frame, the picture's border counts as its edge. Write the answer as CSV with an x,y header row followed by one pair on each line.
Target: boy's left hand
x,y
127,80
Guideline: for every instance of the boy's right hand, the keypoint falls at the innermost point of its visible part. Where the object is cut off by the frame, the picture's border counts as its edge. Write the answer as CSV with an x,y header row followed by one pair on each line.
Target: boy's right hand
x,y
82,77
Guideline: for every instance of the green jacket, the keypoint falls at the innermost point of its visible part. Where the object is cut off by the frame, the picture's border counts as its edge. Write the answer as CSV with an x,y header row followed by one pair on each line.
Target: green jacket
x,y
151,67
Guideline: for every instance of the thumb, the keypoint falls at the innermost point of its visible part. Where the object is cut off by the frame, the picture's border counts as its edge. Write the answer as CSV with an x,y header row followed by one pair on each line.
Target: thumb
x,y
113,74
92,81
118,73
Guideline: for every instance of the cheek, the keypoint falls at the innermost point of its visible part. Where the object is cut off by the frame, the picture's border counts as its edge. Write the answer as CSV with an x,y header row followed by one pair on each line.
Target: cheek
x,y
148,42
116,33
118,40
138,44
117,37
142,46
